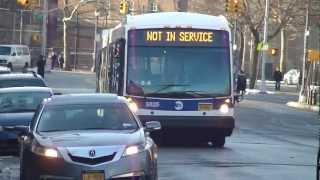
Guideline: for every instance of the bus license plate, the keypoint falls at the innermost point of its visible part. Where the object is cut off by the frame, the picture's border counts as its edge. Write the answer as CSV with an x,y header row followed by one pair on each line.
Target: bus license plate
x,y
93,176
205,107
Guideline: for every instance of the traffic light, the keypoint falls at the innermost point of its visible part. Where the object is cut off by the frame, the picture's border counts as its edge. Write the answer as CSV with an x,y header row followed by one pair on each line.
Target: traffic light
x,y
273,51
124,7
313,55
232,6
24,3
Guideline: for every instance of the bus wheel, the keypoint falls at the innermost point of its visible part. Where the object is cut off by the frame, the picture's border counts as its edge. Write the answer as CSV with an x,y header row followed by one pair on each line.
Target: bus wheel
x,y
219,142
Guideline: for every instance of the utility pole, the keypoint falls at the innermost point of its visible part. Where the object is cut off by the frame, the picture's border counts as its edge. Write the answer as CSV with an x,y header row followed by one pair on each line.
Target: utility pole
x,y
302,93
94,54
21,26
265,47
44,28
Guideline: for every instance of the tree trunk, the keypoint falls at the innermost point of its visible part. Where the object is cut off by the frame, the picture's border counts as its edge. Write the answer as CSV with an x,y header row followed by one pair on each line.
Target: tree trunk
x,y
251,54
66,53
241,49
254,64
283,55
243,58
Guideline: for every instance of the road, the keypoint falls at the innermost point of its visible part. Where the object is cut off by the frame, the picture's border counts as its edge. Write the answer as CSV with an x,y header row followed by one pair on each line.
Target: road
x,y
270,141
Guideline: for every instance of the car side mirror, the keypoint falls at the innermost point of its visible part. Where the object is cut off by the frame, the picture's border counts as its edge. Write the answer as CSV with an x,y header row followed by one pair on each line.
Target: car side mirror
x,y
57,93
152,126
22,130
13,54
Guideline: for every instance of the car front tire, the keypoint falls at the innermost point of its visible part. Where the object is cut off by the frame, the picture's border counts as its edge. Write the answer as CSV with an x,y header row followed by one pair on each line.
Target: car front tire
x,y
219,142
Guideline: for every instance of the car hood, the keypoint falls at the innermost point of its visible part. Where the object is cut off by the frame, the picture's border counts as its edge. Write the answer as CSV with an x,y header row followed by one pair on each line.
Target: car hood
x,y
90,138
4,57
13,119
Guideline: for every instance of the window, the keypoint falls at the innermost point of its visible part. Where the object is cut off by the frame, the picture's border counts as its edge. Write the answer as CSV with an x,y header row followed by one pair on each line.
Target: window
x,y
113,116
25,51
5,50
19,51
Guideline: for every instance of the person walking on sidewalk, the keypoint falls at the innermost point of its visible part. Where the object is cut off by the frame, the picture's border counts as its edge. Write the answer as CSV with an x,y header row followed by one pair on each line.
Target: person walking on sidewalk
x,y
241,83
41,66
277,76
53,60
61,61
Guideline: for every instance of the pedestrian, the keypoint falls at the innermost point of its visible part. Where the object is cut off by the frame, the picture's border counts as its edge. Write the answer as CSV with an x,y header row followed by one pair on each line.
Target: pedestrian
x,y
241,83
41,66
25,67
299,81
53,60
277,76
61,61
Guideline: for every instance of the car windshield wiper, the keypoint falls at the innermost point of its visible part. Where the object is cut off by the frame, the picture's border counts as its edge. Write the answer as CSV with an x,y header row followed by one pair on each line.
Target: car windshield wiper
x,y
18,110
166,86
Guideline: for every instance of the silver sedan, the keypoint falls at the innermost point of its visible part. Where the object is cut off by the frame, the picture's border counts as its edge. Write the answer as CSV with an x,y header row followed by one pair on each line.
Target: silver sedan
x,y
88,137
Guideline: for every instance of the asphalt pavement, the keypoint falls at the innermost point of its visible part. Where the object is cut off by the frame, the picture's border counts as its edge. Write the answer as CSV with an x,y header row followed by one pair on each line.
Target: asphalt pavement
x,y
270,141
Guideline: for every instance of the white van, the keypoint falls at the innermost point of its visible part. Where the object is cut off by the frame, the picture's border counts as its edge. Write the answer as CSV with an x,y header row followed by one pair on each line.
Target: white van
x,y
14,56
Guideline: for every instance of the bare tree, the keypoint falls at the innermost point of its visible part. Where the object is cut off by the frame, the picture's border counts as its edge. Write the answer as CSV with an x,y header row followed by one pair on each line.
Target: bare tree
x,y
252,15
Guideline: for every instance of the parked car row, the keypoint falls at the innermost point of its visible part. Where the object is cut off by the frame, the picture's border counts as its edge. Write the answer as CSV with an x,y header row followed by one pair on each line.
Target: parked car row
x,y
75,136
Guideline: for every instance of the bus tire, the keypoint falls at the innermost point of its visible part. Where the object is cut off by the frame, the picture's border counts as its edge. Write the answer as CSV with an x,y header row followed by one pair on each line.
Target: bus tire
x,y
219,142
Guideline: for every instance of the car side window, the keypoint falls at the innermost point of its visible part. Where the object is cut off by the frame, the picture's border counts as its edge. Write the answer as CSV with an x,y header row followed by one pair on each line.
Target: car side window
x,y
25,51
19,51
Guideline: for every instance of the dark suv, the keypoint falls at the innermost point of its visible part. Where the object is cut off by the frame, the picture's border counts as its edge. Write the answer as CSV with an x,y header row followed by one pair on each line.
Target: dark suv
x,y
21,80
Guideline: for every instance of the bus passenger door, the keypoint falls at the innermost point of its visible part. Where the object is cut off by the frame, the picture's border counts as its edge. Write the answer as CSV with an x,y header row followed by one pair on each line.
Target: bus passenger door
x,y
116,67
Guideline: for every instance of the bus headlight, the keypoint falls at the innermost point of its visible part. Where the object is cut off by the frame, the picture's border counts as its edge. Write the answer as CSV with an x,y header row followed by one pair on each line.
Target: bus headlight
x,y
133,106
224,108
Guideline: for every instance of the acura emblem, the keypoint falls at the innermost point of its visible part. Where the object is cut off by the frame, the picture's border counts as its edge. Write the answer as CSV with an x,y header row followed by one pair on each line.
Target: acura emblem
x,y
92,153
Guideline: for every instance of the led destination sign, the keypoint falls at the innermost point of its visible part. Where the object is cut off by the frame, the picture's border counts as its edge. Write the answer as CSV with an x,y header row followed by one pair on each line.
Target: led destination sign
x,y
178,37
182,36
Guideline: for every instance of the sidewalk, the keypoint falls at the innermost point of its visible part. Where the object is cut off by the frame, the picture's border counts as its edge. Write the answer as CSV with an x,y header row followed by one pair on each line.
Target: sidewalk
x,y
34,69
303,106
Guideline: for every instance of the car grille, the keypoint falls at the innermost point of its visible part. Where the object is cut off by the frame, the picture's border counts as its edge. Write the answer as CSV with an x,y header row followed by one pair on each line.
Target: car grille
x,y
92,161
3,61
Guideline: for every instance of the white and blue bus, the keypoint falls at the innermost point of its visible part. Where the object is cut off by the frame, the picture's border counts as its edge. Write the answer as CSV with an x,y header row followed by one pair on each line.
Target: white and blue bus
x,y
177,68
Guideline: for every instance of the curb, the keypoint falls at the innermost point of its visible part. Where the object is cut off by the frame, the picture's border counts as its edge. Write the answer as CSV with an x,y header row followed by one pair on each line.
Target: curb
x,y
74,72
303,106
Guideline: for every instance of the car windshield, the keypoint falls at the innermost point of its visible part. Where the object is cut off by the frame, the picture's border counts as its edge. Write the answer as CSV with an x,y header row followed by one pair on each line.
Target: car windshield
x,y
113,116
12,102
21,83
5,50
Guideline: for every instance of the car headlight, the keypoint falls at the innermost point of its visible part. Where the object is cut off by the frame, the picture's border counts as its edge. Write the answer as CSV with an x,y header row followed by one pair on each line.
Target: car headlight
x,y
133,106
132,150
224,108
46,152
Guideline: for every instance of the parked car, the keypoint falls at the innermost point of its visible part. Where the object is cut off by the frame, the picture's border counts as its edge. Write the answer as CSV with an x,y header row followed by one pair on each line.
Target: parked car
x,y
17,107
14,56
21,80
4,70
87,136
291,77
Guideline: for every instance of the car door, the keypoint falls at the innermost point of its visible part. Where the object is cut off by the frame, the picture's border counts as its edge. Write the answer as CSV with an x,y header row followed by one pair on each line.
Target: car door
x,y
19,57
13,57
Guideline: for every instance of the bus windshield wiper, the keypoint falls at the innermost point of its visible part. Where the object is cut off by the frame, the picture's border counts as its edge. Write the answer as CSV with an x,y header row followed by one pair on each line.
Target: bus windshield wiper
x,y
166,86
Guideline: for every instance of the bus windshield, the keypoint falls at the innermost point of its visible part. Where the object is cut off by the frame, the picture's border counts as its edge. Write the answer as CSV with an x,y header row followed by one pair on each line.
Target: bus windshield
x,y
178,62
157,71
